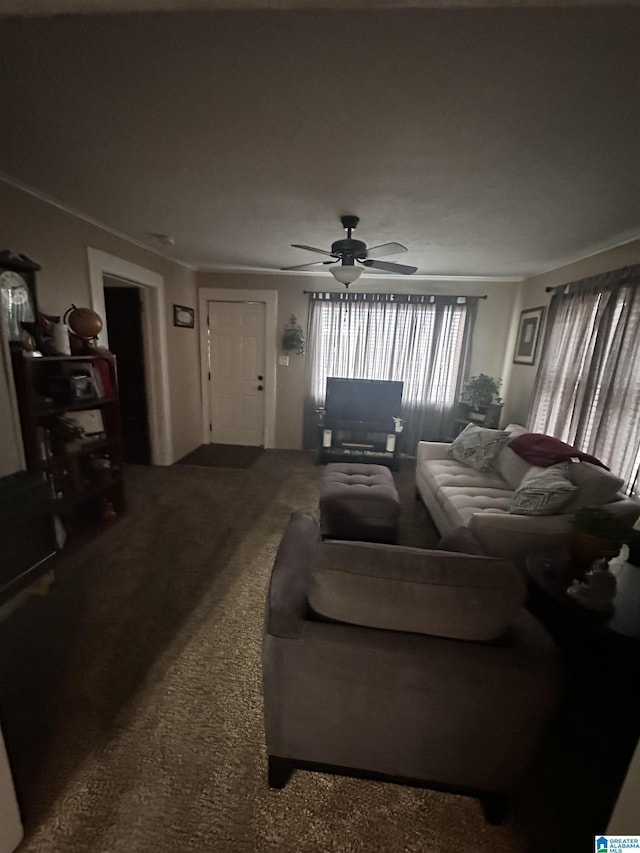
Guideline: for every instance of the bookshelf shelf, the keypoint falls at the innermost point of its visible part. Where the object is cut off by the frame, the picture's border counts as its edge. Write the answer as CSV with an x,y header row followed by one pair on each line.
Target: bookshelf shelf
x,y
70,420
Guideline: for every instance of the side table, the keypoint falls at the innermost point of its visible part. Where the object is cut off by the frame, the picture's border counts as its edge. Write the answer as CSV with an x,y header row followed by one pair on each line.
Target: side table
x,y
601,653
550,573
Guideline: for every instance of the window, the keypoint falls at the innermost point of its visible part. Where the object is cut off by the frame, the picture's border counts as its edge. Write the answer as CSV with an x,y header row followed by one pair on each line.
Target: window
x,y
419,340
588,386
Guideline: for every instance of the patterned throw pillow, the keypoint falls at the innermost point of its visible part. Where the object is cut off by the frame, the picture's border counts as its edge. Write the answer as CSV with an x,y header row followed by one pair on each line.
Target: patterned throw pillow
x,y
477,446
543,491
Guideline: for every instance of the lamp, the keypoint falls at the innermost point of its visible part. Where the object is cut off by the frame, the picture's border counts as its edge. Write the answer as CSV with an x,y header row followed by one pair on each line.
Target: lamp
x,y
346,274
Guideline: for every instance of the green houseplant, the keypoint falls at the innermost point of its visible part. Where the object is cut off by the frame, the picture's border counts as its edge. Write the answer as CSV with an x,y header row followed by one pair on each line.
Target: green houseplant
x,y
482,390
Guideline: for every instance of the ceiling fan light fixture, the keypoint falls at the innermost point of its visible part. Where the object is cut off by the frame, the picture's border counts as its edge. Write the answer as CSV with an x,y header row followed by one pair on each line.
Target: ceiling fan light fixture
x,y
345,274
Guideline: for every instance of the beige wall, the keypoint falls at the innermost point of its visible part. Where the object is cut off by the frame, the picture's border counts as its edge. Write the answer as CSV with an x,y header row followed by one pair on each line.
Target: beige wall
x,y
492,328
58,241
531,294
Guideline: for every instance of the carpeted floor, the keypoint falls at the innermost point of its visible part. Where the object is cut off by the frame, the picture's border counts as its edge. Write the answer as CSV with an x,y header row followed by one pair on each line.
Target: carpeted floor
x,y
130,696
222,456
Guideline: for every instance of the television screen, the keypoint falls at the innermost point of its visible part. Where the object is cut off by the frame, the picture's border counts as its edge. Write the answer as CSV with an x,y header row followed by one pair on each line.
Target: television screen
x,y
363,401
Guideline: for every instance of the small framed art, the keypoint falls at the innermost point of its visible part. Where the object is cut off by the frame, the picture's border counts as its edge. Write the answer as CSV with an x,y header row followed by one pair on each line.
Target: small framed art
x,y
528,336
183,316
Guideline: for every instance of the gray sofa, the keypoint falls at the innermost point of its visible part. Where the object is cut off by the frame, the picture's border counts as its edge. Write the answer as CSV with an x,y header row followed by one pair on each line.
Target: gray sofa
x,y
402,664
458,495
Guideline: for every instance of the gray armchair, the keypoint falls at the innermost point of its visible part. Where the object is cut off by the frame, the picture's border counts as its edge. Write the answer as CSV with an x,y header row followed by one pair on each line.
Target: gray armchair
x,y
395,663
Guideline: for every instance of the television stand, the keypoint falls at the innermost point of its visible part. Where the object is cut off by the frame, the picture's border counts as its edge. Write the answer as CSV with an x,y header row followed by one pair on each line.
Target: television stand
x,y
345,441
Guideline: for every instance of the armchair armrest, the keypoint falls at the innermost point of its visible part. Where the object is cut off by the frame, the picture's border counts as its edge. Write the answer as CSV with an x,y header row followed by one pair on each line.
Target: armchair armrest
x,y
287,597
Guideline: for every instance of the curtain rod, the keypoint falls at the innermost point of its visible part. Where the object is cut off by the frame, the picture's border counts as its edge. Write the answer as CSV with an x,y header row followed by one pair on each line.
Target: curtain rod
x,y
452,295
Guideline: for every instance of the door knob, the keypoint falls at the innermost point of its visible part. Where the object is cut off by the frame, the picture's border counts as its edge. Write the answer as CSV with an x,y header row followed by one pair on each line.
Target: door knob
x,y
260,378
260,387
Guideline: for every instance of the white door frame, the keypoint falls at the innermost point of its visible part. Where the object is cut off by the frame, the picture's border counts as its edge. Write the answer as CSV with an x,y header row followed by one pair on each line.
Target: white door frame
x,y
270,300
155,342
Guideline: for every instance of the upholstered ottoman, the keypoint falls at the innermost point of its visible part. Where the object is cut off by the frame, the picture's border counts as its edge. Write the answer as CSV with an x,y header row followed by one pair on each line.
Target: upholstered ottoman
x,y
359,502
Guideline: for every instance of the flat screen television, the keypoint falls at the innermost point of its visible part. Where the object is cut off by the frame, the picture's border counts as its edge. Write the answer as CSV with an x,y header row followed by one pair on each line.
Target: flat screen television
x,y
363,401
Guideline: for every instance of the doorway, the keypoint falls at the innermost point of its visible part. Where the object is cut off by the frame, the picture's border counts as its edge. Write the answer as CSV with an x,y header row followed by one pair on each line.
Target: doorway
x,y
124,318
258,358
237,359
155,339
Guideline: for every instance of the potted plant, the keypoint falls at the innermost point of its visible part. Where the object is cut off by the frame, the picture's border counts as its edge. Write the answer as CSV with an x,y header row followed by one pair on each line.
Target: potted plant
x,y
293,337
482,390
479,395
597,534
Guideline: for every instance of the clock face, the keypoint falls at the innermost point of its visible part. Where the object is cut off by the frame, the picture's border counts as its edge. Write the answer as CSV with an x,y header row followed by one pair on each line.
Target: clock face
x,y
16,304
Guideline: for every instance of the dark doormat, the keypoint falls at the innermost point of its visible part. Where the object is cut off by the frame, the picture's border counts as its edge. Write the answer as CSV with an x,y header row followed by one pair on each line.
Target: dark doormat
x,y
222,456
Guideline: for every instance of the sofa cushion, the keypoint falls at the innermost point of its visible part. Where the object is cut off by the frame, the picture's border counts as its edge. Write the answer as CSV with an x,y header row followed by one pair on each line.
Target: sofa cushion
x,y
594,485
447,473
543,491
477,446
511,467
508,464
461,491
445,594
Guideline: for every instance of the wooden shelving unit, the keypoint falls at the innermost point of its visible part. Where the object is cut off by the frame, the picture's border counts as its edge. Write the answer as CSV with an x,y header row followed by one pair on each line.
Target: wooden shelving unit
x,y
82,467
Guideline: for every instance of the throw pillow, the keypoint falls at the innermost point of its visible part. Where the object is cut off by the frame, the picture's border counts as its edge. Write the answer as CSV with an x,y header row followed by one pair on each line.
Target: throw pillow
x,y
543,491
478,446
594,485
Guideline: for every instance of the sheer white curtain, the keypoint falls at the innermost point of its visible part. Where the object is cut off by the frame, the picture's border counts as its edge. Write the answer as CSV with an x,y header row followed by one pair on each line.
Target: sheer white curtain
x,y
588,385
419,340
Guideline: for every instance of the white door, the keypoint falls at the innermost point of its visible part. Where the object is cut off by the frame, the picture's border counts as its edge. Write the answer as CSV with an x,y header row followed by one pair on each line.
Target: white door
x,y
237,368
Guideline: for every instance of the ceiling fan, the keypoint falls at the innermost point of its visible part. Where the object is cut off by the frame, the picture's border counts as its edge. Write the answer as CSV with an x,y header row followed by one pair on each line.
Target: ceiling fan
x,y
348,251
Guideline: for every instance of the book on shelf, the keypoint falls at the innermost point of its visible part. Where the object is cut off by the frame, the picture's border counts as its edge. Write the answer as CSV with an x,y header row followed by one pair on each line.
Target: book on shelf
x,y
103,371
43,439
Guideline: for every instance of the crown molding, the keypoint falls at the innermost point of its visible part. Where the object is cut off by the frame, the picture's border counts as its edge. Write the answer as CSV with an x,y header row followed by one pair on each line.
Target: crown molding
x,y
78,214
590,254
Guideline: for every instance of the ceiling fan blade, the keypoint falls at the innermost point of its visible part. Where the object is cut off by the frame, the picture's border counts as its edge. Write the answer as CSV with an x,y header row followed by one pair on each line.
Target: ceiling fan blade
x,y
311,249
310,266
387,249
403,269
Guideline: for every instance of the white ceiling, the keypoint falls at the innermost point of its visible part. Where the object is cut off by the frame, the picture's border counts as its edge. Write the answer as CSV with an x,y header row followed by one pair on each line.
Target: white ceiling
x,y
495,142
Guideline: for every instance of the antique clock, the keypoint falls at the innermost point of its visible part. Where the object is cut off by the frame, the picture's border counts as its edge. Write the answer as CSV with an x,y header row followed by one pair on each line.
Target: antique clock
x,y
18,309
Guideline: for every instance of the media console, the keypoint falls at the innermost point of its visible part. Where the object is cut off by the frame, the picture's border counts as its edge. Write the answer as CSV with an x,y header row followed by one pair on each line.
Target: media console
x,y
338,443
360,422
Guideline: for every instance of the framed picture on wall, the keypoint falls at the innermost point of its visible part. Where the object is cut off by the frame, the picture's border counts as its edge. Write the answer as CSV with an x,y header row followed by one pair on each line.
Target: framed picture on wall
x,y
528,336
183,316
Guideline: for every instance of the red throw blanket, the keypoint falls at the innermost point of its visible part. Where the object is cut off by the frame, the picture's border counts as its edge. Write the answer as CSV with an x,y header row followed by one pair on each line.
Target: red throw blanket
x,y
544,450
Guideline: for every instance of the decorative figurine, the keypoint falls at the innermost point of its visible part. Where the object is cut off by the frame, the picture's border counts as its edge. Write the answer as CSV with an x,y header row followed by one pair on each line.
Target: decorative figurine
x,y
597,590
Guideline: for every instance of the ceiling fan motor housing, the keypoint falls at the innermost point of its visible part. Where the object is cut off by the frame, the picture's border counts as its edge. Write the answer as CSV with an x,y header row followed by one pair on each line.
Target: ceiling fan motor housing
x,y
349,249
